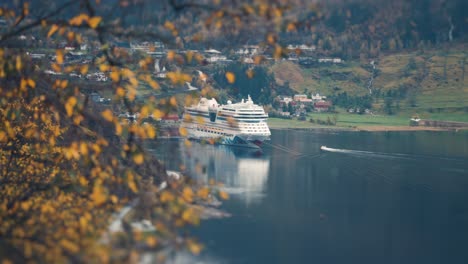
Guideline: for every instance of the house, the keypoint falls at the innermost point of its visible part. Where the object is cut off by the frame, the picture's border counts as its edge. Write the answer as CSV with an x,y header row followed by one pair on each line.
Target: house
x,y
302,98
284,100
217,58
302,47
331,60
322,106
317,97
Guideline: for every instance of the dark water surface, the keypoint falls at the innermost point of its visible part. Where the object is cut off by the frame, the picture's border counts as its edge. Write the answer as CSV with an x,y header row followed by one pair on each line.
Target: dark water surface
x,y
380,197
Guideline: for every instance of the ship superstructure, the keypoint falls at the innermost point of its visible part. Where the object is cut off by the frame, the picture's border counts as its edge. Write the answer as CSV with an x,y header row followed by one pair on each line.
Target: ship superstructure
x,y
242,123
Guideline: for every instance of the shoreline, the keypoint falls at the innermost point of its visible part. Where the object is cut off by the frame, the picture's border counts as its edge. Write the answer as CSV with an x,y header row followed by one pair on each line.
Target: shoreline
x,y
381,128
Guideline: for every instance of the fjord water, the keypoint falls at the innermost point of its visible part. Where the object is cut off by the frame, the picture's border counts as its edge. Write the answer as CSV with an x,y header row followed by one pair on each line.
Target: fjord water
x,y
380,197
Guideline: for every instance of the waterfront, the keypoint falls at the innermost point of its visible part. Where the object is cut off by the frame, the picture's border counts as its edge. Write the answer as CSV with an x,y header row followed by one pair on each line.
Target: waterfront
x,y
380,197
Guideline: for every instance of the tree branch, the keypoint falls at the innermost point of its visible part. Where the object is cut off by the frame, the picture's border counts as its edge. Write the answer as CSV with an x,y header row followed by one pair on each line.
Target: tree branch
x,y
35,23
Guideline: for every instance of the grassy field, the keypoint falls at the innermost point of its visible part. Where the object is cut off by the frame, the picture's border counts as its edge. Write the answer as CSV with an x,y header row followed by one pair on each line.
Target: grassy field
x,y
356,121
349,121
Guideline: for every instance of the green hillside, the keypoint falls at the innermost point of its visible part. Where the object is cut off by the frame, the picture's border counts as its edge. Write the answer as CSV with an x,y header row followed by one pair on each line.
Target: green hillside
x,y
420,81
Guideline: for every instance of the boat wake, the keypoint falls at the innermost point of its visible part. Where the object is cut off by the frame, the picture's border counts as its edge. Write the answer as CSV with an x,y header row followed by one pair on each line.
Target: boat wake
x,y
371,154
366,153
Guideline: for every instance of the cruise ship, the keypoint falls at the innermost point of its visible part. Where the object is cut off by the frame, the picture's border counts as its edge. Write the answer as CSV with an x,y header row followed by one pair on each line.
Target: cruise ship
x,y
239,124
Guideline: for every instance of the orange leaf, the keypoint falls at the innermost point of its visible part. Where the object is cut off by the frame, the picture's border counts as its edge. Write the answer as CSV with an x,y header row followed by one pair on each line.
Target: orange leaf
x,y
52,30
157,114
120,92
187,194
31,83
194,247
107,114
231,78
115,76
94,21
183,131
19,63
138,158
59,56
103,67
84,69
173,101
224,195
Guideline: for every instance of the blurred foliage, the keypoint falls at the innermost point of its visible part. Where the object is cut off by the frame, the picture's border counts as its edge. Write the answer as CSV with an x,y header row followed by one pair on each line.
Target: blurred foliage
x,y
67,163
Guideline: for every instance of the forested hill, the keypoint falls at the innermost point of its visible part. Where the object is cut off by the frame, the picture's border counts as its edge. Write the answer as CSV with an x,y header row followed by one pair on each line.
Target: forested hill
x,y
352,28
346,28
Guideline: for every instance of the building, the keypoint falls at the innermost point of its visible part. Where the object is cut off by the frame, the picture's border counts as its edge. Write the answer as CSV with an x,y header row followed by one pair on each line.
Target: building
x,y
302,98
317,97
322,106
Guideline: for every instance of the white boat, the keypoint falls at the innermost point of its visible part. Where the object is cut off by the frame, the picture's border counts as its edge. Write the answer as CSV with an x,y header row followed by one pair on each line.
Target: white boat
x,y
240,124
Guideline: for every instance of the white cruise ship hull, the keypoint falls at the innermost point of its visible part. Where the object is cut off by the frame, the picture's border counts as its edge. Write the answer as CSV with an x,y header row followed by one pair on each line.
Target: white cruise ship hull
x,y
196,132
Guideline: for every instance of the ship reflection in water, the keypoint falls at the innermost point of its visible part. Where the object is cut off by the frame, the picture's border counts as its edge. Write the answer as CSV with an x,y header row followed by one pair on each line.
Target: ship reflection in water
x,y
243,171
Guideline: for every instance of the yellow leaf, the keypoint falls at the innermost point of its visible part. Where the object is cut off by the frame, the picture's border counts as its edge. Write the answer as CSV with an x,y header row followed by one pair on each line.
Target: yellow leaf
x,y
132,186
291,27
69,246
144,111
187,194
78,20
83,222
150,132
56,67
103,67
107,114
19,63
138,158
77,119
114,199
52,30
231,78
83,148
115,76
188,215
157,114
94,21
118,129
59,56
70,104
63,84
271,39
169,25
31,83
71,36
183,131
3,136
120,92
200,119
151,241
194,247
170,55
153,84
83,181
84,69
203,193
98,196
224,195
173,101
166,197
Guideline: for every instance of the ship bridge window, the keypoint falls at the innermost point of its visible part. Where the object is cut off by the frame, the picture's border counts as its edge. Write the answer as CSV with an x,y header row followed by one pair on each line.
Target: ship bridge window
x,y
212,116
